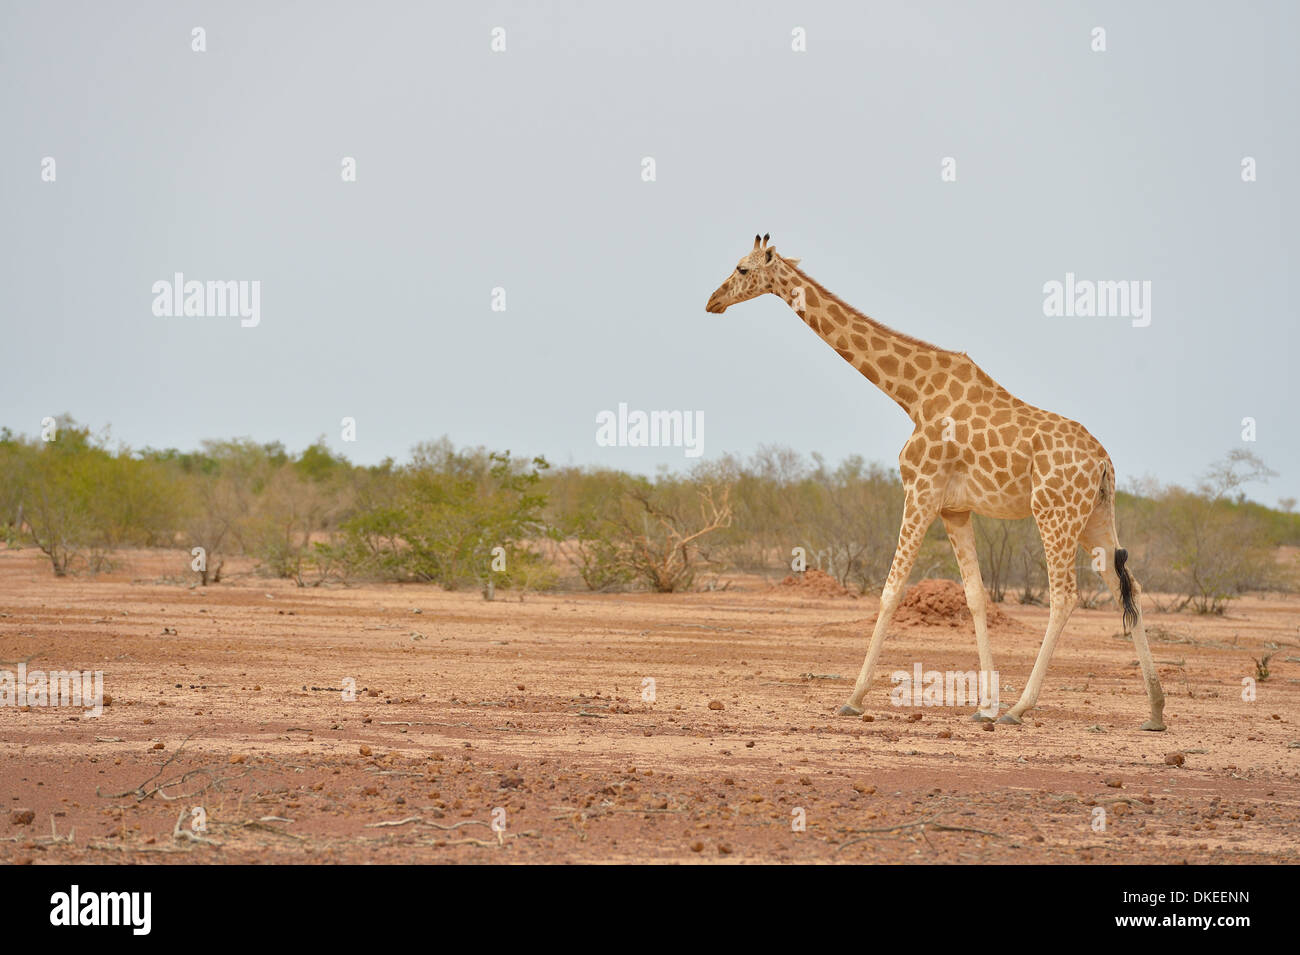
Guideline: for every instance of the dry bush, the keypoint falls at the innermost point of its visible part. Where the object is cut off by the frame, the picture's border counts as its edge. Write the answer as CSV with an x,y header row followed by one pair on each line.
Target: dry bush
x,y
665,543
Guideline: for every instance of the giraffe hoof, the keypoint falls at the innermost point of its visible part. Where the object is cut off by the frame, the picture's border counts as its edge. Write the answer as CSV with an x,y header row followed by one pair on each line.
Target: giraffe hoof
x,y
1008,718
1154,726
848,709
978,717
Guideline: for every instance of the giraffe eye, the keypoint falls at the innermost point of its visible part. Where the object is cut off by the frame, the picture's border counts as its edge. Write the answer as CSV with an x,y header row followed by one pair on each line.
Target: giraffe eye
x,y
741,271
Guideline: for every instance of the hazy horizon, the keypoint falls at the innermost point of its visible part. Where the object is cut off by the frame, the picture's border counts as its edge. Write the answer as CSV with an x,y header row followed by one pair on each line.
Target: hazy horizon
x,y
522,170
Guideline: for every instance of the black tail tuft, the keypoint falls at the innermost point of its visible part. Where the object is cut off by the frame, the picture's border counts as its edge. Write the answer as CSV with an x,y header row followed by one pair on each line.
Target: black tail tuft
x,y
1126,589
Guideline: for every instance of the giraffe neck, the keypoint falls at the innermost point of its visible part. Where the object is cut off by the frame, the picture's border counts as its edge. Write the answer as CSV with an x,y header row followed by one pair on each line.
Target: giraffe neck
x,y
895,363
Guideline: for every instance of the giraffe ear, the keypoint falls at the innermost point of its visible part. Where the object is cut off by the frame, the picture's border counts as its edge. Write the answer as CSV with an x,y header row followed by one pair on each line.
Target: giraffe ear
x,y
793,263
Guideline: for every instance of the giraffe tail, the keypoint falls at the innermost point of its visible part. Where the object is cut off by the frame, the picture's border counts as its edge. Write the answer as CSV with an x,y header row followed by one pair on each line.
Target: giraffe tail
x,y
1107,490
1106,494
1126,589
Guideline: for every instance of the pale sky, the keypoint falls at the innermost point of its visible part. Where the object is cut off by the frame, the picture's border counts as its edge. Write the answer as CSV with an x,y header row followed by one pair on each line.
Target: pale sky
x,y
523,170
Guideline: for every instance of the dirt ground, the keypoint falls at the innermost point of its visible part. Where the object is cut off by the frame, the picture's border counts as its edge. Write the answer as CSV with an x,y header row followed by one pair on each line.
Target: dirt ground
x,y
227,700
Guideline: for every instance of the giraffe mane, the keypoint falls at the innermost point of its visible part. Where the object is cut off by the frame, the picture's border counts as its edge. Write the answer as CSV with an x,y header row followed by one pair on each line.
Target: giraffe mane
x,y
822,291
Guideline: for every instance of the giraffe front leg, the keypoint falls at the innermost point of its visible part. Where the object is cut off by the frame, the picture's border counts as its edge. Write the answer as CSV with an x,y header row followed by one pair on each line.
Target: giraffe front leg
x,y
961,534
916,519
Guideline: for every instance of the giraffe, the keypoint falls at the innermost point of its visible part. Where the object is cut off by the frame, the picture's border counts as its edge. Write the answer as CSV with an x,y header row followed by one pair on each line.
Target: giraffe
x,y
975,448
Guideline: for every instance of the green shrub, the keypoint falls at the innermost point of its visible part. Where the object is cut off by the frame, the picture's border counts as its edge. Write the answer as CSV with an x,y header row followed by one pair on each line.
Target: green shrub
x,y
444,515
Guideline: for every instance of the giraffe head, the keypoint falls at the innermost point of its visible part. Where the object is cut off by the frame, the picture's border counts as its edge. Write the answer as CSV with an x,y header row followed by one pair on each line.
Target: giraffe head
x,y
754,275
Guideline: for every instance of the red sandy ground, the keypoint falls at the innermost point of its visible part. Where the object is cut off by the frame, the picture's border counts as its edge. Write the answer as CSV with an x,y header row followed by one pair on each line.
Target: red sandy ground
x,y
535,707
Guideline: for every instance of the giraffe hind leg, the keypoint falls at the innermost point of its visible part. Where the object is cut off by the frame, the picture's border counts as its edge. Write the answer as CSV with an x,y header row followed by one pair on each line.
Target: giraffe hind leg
x,y
1060,530
1100,535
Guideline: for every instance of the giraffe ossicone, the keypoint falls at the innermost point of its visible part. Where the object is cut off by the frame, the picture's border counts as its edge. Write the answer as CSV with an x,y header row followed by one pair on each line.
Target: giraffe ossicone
x,y
975,449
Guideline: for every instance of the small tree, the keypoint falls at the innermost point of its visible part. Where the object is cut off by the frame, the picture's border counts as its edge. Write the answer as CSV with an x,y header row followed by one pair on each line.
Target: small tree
x,y
852,518
16,459
445,514
81,502
59,504
1213,547
662,542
